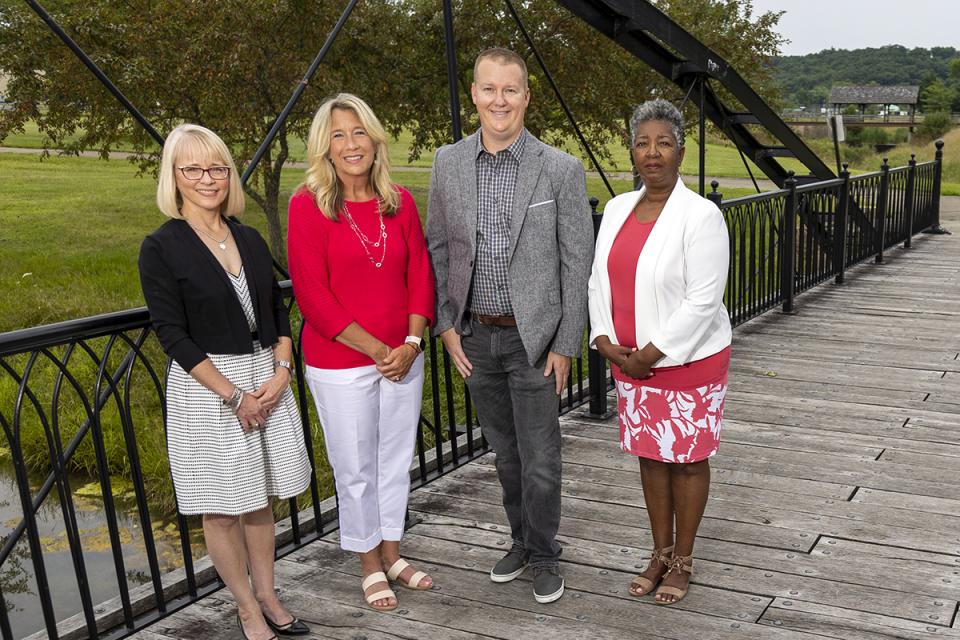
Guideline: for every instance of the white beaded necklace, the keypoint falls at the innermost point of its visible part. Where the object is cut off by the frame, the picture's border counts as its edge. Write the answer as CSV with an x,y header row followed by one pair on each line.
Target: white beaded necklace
x,y
364,240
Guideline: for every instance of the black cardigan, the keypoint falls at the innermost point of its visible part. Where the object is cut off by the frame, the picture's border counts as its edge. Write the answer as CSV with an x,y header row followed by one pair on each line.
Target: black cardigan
x,y
194,308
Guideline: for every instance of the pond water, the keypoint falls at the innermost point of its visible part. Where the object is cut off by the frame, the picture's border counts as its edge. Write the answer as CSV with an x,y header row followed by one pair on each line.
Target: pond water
x,y
17,573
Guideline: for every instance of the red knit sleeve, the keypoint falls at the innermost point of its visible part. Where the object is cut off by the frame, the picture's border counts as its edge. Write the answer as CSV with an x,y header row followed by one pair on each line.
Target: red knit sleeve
x,y
309,267
421,288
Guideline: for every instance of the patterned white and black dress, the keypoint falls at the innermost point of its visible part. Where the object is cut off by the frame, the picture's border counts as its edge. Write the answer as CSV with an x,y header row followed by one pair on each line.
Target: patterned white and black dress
x,y
216,467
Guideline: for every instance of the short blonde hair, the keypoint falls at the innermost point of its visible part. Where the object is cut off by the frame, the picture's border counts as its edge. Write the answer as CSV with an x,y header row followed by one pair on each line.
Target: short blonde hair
x,y
504,57
322,179
205,144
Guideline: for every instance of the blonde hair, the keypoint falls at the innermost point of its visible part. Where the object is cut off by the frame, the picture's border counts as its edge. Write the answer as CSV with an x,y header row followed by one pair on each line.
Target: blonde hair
x,y
322,179
504,57
204,144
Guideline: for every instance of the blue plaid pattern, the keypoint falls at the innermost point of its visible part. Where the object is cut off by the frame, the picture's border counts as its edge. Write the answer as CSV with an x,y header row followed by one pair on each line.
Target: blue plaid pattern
x,y
496,183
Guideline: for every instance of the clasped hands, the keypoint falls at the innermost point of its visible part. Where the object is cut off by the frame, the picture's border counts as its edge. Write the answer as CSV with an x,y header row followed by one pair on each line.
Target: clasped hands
x,y
257,405
394,364
632,361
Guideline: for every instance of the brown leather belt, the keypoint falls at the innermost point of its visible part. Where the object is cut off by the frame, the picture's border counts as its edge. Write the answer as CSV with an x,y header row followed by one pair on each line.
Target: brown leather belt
x,y
495,321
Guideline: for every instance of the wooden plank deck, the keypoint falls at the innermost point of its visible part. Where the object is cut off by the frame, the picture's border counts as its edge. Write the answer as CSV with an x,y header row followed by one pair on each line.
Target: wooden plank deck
x,y
834,511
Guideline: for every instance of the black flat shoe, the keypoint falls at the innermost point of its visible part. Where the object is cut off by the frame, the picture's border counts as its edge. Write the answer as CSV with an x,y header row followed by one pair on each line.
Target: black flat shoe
x,y
292,628
243,633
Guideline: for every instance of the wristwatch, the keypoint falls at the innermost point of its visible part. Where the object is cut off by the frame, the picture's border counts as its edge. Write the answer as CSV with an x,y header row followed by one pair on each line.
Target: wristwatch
x,y
416,342
285,364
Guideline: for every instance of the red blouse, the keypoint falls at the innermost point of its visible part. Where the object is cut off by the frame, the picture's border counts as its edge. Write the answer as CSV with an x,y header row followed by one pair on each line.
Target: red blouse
x,y
336,283
622,269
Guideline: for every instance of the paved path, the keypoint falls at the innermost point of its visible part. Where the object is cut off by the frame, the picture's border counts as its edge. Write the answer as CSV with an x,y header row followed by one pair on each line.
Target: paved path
x,y
835,506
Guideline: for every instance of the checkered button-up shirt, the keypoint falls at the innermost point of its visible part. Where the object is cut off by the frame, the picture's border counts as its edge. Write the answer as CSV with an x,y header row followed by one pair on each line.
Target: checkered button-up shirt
x,y
496,183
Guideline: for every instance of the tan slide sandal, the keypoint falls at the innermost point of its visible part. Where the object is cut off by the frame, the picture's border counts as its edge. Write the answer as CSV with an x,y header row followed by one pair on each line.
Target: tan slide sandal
x,y
383,594
414,582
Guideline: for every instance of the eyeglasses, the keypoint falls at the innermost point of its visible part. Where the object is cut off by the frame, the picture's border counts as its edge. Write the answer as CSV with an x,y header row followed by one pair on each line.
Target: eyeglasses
x,y
195,173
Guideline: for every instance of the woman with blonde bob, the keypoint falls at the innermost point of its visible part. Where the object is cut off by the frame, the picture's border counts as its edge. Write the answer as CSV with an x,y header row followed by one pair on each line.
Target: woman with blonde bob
x,y
360,270
234,435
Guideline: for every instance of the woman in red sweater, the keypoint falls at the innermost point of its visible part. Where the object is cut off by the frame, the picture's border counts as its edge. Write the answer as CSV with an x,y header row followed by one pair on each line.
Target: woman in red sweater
x,y
363,282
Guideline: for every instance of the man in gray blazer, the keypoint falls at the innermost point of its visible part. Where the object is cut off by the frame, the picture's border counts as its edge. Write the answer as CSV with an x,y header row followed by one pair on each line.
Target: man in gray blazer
x,y
511,243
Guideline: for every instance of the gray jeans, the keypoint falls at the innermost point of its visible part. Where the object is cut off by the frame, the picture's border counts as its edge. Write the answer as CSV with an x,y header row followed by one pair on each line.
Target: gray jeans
x,y
517,409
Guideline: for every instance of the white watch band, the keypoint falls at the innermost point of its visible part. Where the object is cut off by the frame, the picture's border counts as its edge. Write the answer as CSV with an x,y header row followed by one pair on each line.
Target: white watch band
x,y
416,341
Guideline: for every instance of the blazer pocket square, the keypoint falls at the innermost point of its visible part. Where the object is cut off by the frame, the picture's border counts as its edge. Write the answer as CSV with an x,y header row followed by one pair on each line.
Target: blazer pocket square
x,y
539,204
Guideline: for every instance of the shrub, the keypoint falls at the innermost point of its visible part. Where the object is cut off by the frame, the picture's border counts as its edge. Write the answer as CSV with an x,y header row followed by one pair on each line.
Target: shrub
x,y
866,136
935,125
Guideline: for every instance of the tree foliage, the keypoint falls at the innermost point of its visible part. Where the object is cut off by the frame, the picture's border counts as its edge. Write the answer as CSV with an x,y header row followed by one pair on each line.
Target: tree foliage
x,y
937,97
229,65
807,79
232,64
600,81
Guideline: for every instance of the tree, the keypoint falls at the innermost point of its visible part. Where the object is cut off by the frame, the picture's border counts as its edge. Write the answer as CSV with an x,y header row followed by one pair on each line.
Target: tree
x,y
892,64
937,97
231,65
600,81
954,83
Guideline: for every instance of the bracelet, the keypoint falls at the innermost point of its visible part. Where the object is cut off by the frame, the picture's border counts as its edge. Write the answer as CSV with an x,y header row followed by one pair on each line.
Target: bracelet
x,y
416,342
235,399
284,364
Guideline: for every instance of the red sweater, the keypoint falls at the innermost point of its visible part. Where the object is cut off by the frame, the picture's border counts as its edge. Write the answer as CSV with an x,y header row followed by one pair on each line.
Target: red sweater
x,y
336,284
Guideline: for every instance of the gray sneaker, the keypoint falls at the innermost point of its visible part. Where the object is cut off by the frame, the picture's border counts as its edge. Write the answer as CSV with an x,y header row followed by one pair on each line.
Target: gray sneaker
x,y
510,566
547,584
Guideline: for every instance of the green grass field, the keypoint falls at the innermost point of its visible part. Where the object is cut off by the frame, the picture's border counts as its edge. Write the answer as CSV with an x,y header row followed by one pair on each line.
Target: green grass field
x,y
70,227
70,231
722,159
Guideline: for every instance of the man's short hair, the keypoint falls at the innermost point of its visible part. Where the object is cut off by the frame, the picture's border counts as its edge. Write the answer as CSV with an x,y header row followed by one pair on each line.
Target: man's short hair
x,y
502,56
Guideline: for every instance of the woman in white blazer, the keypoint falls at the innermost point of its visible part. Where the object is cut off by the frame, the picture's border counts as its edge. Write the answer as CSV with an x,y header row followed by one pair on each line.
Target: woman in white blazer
x,y
657,314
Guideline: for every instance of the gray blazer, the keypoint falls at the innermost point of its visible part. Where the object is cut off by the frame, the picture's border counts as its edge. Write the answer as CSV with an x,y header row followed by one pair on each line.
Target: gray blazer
x,y
551,244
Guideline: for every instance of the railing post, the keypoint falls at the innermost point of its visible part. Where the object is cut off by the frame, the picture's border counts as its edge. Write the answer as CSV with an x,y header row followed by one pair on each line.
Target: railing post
x,y
596,366
840,227
882,197
715,196
788,253
910,199
935,228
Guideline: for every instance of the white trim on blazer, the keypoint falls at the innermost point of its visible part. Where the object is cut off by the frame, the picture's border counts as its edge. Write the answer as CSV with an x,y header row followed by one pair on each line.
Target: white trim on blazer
x,y
681,276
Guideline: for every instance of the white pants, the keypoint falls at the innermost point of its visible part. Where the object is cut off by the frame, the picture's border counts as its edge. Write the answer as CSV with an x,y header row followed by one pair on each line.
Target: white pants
x,y
369,426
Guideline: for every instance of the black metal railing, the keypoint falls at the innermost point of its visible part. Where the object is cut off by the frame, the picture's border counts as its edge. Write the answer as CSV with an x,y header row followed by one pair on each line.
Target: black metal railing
x,y
96,385
753,278
787,241
83,400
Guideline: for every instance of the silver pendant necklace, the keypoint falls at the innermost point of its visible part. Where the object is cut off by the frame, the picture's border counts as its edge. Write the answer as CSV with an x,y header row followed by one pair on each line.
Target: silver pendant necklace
x,y
220,243
364,240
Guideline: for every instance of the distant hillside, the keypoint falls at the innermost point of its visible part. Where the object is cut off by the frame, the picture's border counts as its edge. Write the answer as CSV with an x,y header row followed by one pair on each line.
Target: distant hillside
x,y
807,79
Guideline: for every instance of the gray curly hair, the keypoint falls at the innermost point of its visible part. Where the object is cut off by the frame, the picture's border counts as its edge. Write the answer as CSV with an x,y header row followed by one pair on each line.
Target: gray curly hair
x,y
657,109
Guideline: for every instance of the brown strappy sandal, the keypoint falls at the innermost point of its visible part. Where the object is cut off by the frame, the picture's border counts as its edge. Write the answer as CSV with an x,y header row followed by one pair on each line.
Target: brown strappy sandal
x,y
642,585
675,564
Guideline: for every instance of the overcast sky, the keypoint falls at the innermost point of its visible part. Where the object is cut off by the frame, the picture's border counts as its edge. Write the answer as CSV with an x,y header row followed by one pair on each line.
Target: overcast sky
x,y
814,25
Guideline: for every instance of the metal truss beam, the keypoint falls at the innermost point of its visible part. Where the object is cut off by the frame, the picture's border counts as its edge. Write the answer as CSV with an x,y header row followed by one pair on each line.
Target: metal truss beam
x,y
650,35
